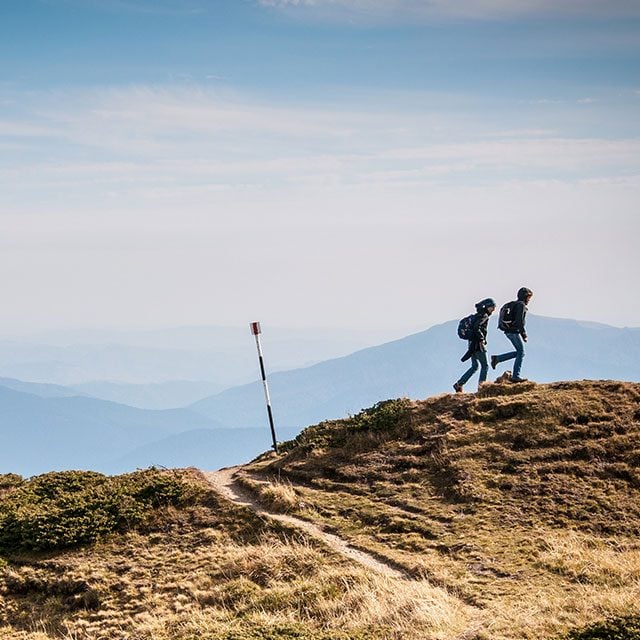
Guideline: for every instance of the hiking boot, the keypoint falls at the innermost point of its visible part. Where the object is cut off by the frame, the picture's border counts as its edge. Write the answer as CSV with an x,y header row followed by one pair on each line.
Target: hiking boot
x,y
519,380
494,361
458,387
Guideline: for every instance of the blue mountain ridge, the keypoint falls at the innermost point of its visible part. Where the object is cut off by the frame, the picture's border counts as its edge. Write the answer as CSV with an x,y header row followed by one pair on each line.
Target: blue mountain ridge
x,y
54,433
424,364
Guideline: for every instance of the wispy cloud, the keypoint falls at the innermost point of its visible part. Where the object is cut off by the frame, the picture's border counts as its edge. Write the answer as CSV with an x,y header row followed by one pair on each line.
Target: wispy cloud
x,y
464,9
122,198
154,143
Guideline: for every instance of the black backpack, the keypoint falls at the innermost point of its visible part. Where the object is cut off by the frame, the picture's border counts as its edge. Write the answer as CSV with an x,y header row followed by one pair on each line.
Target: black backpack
x,y
506,317
464,327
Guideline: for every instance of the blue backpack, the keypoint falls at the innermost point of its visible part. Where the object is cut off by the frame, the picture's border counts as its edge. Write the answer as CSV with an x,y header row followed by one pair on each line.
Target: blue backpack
x,y
465,326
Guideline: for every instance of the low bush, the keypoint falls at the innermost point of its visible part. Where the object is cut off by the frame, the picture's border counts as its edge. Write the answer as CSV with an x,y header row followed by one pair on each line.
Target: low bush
x,y
290,632
626,628
69,508
383,418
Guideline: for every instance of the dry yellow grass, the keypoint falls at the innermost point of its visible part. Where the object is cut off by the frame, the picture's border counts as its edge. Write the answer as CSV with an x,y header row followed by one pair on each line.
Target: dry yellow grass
x,y
515,513
280,495
217,572
522,500
613,562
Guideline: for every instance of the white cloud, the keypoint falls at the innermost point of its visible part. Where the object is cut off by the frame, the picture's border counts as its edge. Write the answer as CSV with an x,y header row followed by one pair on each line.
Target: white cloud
x,y
20,129
465,9
146,143
125,205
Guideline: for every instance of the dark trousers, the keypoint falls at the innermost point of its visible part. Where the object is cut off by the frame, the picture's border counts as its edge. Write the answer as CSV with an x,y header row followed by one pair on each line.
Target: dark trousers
x,y
518,354
478,358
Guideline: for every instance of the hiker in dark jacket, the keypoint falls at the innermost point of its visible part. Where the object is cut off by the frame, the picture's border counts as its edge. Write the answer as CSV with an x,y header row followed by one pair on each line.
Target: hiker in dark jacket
x,y
477,350
514,327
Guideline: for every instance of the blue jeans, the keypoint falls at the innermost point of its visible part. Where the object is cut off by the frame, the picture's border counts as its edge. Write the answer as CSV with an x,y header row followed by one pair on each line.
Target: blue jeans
x,y
478,357
518,354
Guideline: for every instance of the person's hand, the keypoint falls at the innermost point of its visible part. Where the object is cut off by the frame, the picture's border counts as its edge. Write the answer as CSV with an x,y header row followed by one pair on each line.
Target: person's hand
x,y
524,338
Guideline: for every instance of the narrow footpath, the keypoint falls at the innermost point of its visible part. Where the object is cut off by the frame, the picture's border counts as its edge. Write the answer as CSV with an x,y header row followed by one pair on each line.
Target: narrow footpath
x,y
225,483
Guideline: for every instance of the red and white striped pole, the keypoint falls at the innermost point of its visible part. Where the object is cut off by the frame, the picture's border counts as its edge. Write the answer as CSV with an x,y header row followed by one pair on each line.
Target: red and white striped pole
x,y
256,331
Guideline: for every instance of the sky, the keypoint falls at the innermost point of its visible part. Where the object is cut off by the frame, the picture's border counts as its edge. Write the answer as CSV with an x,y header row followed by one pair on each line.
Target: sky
x,y
306,163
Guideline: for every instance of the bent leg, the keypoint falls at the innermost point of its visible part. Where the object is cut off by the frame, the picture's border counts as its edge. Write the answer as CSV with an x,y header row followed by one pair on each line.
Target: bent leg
x,y
506,356
470,371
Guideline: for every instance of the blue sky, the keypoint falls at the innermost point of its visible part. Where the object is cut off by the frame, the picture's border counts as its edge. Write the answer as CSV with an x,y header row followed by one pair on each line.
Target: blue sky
x,y
63,43
329,162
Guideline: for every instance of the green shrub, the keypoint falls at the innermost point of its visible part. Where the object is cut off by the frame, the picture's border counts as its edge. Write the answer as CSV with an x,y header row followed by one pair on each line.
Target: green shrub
x,y
383,417
69,508
627,628
289,632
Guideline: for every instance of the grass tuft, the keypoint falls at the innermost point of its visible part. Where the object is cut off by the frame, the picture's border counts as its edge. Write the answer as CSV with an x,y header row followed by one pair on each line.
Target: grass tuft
x,y
626,628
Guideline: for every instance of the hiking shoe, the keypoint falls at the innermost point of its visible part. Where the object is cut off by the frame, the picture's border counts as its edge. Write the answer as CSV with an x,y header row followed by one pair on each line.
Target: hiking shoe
x,y
458,387
519,380
494,362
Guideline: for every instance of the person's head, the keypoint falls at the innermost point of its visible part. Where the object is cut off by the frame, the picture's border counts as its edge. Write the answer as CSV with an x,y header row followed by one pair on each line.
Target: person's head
x,y
488,305
525,294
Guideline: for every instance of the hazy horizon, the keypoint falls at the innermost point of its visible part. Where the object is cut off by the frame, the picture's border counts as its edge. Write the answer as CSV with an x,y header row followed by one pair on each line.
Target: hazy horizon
x,y
308,331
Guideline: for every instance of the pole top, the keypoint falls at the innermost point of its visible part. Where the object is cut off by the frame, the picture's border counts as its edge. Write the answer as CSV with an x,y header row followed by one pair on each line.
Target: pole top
x,y
255,328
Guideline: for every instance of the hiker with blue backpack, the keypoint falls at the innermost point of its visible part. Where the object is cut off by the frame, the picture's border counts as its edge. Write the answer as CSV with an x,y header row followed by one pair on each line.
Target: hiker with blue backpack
x,y
473,328
512,321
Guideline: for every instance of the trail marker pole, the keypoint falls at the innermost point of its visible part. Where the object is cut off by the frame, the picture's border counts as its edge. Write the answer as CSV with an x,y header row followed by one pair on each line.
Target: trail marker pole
x,y
256,331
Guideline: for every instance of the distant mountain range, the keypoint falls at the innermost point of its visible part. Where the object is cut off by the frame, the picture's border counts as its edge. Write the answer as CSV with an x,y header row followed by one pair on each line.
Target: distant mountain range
x,y
152,395
45,433
202,448
221,355
44,390
47,426
424,364
167,368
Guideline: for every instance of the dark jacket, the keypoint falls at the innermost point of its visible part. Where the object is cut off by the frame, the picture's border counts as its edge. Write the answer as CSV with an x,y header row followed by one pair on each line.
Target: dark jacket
x,y
479,330
519,318
478,341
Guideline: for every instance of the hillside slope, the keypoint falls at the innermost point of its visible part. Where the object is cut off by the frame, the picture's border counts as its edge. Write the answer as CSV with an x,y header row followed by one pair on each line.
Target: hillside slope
x,y
522,499
173,560
512,514
424,364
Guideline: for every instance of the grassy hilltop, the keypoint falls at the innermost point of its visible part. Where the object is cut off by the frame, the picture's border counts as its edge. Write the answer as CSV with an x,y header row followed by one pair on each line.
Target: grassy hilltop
x,y
513,513
523,501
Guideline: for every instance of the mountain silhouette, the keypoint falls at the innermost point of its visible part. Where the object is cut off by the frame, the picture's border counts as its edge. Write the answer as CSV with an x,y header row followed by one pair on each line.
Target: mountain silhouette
x,y
424,364
41,434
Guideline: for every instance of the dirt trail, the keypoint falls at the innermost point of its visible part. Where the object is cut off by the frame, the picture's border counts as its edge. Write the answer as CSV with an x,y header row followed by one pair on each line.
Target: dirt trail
x,y
224,482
